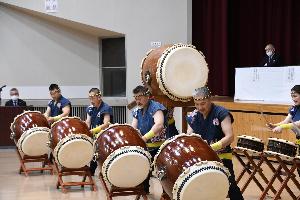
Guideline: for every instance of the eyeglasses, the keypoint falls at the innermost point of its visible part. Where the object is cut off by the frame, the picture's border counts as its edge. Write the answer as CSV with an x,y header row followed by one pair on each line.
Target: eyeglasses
x,y
54,92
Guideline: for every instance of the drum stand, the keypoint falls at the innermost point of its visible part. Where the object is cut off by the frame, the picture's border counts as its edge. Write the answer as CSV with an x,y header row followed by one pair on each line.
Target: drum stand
x,y
282,170
164,196
84,171
27,159
116,191
251,167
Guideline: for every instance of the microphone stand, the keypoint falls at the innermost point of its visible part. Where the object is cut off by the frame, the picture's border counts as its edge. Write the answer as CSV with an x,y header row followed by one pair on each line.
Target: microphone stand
x,y
0,96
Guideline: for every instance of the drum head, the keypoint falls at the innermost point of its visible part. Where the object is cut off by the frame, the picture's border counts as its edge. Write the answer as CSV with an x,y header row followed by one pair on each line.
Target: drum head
x,y
35,144
202,181
199,188
127,166
128,170
75,153
181,65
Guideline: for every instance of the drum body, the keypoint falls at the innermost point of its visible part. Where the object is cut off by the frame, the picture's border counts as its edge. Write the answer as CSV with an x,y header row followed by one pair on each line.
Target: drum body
x,y
30,131
189,169
122,156
250,143
71,142
166,68
283,148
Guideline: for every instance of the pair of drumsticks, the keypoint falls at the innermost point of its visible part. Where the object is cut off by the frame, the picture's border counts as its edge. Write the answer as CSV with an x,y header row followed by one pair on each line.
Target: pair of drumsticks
x,y
295,128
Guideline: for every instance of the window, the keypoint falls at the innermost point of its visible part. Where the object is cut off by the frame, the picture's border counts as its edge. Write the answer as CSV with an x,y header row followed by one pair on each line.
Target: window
x,y
113,67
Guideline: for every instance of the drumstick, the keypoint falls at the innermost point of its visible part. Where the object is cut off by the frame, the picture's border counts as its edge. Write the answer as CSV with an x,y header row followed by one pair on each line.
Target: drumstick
x,y
295,129
131,105
263,115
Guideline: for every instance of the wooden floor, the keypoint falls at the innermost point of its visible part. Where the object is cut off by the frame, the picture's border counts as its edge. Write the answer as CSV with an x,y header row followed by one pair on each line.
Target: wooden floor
x,y
43,187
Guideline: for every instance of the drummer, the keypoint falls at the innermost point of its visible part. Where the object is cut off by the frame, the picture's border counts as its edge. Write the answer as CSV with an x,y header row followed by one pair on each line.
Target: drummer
x,y
213,123
171,129
98,113
149,119
292,120
58,107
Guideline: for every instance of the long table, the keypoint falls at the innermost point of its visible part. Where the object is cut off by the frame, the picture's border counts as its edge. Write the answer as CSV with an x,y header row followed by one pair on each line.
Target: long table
x,y
269,84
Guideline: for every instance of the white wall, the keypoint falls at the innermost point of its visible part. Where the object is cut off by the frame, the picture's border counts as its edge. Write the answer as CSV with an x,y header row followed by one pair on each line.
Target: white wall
x,y
141,21
35,53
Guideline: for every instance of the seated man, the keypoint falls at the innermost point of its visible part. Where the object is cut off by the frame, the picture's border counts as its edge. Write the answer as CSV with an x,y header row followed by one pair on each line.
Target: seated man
x,y
14,99
58,107
97,114
271,59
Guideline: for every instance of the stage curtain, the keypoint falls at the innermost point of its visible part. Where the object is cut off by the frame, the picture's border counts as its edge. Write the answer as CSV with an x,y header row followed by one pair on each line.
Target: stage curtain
x,y
233,33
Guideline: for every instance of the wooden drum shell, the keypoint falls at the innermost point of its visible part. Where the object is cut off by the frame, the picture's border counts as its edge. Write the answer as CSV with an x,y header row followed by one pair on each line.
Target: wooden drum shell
x,y
26,121
180,154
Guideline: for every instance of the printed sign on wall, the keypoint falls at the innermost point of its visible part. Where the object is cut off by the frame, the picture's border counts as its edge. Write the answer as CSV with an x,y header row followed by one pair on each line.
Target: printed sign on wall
x,y
51,6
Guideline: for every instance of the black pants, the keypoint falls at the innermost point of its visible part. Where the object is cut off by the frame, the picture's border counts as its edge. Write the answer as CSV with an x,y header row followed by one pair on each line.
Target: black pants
x,y
171,130
50,157
93,167
234,191
146,183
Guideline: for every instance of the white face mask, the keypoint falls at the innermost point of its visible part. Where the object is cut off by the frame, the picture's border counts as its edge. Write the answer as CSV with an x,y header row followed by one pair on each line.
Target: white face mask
x,y
269,53
14,97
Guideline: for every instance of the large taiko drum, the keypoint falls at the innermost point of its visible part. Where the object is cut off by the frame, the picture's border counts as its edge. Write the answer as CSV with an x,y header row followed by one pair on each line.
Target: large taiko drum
x,y
175,71
122,156
71,142
30,131
189,169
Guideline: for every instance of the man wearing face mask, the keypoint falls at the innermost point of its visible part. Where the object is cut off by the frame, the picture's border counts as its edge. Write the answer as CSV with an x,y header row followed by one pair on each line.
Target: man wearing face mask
x,y
15,101
271,59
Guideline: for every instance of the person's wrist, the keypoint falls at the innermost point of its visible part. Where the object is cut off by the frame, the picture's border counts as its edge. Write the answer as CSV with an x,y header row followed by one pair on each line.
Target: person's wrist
x,y
216,146
286,126
96,130
149,135
56,118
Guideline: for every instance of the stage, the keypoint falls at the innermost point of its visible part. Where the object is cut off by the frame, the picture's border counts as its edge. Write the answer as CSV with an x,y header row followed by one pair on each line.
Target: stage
x,y
38,186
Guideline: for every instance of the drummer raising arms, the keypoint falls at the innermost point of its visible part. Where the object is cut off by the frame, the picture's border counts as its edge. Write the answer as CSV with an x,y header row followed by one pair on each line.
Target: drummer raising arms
x,y
99,115
149,119
213,123
58,107
292,120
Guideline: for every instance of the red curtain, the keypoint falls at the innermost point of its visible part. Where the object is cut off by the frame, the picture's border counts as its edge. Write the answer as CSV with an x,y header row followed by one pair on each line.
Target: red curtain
x,y
233,33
